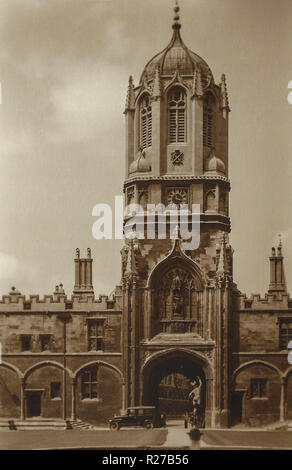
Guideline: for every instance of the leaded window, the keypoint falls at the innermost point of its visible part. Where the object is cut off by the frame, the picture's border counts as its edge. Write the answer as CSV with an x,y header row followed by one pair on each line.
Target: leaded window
x,y
96,335
285,333
45,341
89,382
55,390
145,123
25,342
177,115
258,388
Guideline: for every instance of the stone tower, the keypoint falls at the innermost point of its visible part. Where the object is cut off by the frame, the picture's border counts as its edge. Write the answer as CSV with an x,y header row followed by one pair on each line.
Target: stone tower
x,y
176,303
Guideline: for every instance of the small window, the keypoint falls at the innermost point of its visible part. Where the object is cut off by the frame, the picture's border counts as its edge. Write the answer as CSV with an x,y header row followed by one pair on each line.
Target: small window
x,y
145,123
25,342
45,342
258,388
89,383
55,390
96,335
177,115
285,333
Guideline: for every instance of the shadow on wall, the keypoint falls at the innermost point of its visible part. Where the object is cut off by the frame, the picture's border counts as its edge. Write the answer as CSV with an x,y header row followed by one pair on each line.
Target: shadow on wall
x,y
9,394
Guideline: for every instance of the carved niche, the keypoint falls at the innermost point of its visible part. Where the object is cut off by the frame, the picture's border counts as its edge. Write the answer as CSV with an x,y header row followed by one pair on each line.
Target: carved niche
x,y
178,303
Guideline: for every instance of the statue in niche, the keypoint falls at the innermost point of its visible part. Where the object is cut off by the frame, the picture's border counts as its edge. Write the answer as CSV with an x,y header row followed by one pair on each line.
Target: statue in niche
x,y
177,295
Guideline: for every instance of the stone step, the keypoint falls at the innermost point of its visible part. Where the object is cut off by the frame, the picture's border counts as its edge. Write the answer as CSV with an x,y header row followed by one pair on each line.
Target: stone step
x,y
79,424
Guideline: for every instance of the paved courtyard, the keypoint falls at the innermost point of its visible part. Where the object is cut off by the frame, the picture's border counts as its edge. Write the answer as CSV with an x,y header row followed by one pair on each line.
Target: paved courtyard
x,y
81,439
172,437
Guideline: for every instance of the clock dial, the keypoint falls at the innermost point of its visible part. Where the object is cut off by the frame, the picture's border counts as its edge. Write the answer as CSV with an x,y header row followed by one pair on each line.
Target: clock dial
x,y
177,196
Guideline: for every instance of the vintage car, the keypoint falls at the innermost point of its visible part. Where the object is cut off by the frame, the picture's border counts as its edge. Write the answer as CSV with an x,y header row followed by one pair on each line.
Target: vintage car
x,y
146,416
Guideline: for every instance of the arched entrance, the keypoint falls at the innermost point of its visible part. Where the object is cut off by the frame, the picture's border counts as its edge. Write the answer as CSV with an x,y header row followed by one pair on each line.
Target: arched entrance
x,y
188,365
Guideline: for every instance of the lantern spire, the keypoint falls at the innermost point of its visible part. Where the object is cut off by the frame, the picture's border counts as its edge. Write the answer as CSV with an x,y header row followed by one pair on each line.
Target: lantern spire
x,y
176,23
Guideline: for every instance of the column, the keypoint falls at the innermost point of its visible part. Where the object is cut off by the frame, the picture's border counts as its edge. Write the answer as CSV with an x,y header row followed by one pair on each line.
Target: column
x,y
123,383
22,399
283,399
77,273
73,407
83,267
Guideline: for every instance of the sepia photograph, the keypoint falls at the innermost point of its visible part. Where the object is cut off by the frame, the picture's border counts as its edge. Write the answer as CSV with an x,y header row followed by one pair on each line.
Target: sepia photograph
x,y
146,228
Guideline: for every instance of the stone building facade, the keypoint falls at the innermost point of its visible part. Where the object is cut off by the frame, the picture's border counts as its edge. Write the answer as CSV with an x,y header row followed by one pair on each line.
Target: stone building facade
x,y
61,356
176,311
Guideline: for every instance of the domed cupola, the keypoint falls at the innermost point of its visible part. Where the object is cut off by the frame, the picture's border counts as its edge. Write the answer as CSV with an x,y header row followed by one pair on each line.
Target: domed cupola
x,y
215,166
140,165
177,56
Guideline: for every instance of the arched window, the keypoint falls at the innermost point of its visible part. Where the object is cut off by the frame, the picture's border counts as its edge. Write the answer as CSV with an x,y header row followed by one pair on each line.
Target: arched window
x,y
145,122
209,122
211,201
177,115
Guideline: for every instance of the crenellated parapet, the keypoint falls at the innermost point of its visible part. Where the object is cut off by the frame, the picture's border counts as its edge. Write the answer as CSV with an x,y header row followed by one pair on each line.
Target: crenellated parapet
x,y
58,303
281,301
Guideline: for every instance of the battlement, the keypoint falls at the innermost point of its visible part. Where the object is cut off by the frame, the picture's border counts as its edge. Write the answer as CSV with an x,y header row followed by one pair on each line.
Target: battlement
x,y
58,302
271,301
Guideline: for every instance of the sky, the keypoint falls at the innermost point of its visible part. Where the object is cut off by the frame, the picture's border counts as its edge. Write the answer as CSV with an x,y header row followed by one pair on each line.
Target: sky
x,y
64,68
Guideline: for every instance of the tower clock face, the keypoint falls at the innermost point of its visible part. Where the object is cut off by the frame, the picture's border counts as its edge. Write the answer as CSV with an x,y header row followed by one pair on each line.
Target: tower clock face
x,y
177,196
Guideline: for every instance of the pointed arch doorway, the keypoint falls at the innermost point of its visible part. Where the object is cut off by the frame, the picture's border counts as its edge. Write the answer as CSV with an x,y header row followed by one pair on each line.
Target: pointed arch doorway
x,y
190,367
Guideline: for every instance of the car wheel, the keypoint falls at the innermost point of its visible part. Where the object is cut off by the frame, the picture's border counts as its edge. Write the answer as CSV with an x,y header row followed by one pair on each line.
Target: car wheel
x,y
114,426
149,425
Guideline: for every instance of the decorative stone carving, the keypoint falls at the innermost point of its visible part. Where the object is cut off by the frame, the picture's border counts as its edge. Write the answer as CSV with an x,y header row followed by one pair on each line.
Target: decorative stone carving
x,y
130,194
177,157
177,302
209,353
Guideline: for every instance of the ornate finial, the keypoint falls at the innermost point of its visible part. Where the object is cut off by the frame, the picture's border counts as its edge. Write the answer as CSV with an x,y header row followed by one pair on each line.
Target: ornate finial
x,y
280,245
88,253
198,84
130,100
156,93
224,239
77,253
224,93
176,23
